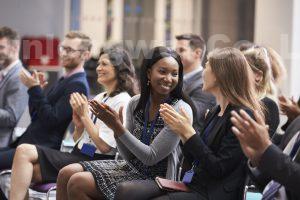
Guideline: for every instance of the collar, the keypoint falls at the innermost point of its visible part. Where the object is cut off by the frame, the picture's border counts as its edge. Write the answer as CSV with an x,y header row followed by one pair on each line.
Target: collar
x,y
5,71
192,73
74,71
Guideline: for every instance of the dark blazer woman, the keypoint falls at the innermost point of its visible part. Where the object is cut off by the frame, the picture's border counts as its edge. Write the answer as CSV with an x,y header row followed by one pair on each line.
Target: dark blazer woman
x,y
220,173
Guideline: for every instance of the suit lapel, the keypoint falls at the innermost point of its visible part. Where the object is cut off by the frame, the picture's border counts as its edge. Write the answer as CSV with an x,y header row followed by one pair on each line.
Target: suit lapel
x,y
212,135
8,75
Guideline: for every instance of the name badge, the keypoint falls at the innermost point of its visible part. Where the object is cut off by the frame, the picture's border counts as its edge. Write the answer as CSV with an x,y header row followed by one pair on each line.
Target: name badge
x,y
188,176
88,149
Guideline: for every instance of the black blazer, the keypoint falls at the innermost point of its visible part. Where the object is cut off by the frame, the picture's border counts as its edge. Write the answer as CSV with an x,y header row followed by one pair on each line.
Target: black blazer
x,y
221,172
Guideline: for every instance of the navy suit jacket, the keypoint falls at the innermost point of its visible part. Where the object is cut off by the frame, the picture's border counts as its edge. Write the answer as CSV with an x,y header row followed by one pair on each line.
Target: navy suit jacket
x,y
52,113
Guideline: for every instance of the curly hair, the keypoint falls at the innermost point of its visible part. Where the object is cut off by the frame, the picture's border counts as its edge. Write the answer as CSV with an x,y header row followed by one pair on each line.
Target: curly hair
x,y
124,69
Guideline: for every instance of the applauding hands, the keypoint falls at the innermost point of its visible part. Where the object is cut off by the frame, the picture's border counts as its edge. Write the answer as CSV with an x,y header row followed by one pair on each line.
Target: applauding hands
x,y
37,78
111,118
253,135
180,123
289,107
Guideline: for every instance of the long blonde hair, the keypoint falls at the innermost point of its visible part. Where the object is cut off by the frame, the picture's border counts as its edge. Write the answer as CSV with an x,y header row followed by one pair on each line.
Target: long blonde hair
x,y
234,77
259,60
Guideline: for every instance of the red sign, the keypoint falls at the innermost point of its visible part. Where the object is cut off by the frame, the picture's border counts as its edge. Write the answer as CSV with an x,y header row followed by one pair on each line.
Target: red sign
x,y
40,53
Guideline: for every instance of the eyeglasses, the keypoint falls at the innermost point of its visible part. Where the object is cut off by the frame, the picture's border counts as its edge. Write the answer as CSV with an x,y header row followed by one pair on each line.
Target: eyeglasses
x,y
69,50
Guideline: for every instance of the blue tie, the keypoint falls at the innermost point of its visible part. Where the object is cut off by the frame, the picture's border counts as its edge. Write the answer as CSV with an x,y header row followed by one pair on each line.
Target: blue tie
x,y
271,192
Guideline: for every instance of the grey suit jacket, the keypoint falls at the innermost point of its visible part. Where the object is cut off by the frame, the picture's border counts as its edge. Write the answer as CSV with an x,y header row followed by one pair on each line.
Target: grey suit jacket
x,y
193,88
13,100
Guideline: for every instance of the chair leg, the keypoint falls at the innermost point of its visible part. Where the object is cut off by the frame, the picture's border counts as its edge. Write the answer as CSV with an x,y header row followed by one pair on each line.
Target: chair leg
x,y
48,193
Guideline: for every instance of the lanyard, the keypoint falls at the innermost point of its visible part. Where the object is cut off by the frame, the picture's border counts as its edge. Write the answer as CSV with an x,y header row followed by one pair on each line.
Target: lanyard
x,y
93,117
146,135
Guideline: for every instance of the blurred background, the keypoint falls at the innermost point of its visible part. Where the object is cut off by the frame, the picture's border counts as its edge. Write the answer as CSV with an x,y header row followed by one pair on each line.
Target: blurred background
x,y
138,25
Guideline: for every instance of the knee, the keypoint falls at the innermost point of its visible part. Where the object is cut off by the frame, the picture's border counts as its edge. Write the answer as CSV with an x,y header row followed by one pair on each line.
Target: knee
x,y
26,151
125,190
76,184
66,172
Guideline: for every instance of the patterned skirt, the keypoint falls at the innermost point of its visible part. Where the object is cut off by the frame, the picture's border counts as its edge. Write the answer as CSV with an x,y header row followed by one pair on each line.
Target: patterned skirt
x,y
109,173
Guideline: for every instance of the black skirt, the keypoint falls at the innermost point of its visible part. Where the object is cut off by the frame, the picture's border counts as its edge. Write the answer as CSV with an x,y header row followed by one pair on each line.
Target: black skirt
x,y
51,161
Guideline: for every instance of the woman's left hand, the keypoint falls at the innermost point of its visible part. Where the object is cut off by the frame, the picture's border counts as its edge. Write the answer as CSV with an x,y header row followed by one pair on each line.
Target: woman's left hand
x,y
79,104
111,118
180,123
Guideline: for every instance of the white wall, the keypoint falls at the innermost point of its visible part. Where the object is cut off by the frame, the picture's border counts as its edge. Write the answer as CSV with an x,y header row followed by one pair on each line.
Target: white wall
x,y
276,26
36,17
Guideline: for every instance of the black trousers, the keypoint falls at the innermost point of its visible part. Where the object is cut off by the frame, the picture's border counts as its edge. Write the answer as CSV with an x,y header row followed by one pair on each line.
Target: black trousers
x,y
6,157
2,196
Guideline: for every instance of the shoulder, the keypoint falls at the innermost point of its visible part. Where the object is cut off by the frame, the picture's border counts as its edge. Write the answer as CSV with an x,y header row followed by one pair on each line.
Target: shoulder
x,y
268,102
123,96
99,96
133,102
238,108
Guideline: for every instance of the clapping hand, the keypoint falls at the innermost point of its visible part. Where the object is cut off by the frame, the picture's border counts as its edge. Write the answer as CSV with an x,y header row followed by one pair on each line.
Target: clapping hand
x,y
180,122
111,118
289,107
253,135
79,104
29,80
41,77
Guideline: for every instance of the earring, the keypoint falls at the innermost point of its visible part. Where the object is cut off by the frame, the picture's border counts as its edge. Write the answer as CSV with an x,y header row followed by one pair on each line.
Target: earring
x,y
148,83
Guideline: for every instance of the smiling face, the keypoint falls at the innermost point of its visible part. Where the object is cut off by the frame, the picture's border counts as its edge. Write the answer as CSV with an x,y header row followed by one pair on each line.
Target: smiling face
x,y
70,53
209,79
106,71
163,76
7,51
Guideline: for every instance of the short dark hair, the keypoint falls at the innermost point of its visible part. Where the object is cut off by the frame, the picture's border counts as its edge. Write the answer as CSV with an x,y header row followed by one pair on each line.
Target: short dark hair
x,y
196,41
86,43
10,34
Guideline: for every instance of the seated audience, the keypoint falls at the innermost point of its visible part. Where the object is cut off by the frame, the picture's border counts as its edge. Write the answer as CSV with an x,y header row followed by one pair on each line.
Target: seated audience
x,y
149,147
215,156
51,113
13,96
260,64
94,140
268,162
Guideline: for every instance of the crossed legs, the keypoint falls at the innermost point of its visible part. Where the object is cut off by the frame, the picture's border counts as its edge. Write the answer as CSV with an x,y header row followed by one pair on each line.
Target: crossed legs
x,y
74,183
25,169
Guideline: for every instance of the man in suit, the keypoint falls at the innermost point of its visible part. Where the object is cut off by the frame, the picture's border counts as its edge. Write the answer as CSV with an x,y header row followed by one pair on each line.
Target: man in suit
x,y
13,96
191,49
280,171
51,113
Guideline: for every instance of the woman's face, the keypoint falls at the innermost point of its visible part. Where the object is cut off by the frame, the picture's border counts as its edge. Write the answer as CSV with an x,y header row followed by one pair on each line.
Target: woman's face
x,y
164,75
105,70
209,79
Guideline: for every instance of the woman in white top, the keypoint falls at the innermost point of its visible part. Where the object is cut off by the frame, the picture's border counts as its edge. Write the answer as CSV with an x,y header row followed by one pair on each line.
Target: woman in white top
x,y
94,140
